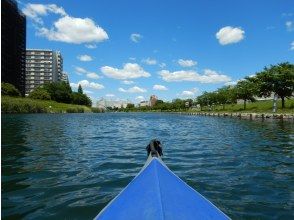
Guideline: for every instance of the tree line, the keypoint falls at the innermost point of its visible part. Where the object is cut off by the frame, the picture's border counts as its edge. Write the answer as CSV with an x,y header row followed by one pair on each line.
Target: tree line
x,y
56,91
277,80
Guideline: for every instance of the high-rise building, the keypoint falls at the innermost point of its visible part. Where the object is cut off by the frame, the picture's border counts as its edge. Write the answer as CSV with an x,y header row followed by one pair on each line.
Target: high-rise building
x,y
153,100
13,45
64,77
42,66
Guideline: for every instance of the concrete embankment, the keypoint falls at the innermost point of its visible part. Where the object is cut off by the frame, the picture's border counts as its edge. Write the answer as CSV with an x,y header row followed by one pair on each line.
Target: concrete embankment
x,y
251,116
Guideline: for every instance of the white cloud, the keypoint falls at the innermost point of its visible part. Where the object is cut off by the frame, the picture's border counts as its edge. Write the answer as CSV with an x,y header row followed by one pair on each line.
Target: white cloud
x,y
35,11
230,35
110,95
209,76
292,45
81,71
132,58
91,46
134,89
149,61
140,98
159,87
231,83
85,58
88,92
86,84
74,30
189,93
129,71
127,82
289,25
92,75
136,37
162,65
187,63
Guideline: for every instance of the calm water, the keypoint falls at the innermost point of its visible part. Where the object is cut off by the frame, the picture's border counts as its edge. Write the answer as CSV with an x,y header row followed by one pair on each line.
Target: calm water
x,y
69,166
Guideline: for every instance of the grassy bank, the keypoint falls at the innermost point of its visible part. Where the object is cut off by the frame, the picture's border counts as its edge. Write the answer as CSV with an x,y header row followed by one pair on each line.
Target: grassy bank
x,y
26,105
254,107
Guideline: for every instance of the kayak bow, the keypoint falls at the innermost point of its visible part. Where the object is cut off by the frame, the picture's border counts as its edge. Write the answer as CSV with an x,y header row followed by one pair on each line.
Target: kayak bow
x,y
157,193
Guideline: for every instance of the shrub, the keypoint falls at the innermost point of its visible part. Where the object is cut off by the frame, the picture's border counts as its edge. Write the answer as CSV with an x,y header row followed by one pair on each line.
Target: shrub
x,y
9,90
40,93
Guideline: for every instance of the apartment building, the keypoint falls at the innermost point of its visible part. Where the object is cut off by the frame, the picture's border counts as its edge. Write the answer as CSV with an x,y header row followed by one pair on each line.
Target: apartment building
x,y
42,66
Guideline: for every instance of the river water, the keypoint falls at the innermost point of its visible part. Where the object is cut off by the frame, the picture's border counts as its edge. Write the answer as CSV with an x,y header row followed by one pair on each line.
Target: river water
x,y
69,166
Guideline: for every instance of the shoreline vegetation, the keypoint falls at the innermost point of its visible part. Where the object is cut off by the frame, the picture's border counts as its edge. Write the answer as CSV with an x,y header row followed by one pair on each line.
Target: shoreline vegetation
x,y
12,105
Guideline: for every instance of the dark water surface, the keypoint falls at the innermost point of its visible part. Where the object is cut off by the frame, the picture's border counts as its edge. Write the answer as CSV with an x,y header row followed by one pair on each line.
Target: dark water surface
x,y
69,166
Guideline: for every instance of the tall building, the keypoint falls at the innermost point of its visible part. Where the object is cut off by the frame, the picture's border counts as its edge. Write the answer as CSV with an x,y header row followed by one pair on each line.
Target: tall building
x,y
64,77
153,100
13,45
42,66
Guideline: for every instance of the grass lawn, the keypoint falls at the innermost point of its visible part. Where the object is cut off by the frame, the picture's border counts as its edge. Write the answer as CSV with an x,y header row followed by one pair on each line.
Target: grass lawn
x,y
26,105
256,107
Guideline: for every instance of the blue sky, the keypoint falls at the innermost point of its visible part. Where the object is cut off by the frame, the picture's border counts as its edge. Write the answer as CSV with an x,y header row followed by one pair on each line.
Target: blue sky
x,y
173,49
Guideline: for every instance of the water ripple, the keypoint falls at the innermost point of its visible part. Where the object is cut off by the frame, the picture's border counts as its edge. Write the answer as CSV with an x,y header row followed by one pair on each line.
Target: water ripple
x,y
69,166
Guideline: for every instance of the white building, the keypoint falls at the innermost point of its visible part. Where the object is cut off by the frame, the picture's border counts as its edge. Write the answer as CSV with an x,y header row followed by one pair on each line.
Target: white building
x,y
144,104
42,66
104,103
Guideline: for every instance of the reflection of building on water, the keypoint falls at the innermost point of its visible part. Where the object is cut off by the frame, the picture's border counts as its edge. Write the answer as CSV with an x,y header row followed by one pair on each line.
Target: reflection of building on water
x,y
104,103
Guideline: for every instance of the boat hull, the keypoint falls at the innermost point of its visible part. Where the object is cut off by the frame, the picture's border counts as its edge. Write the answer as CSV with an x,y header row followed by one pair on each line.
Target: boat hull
x,y
157,193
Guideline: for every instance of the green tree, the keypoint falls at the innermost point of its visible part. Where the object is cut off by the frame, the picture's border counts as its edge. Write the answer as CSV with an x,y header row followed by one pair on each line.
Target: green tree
x,y
9,90
59,91
81,99
80,90
40,93
245,90
226,95
278,79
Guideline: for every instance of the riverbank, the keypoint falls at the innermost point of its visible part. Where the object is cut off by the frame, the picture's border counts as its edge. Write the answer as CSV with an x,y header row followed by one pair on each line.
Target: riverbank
x,y
251,116
26,105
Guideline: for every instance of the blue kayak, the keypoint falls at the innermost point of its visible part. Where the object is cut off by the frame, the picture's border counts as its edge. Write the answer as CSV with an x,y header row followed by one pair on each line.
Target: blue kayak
x,y
157,193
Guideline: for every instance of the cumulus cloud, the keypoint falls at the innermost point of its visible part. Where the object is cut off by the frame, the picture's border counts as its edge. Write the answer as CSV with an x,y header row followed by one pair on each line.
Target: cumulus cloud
x,y
134,89
91,46
289,25
209,76
88,92
35,11
110,95
136,37
81,71
187,63
159,87
132,58
86,84
292,46
230,35
140,98
231,83
189,93
149,61
129,71
85,58
127,82
74,30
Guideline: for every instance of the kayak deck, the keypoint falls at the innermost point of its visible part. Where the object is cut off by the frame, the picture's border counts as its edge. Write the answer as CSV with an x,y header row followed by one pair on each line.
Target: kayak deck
x,y
157,193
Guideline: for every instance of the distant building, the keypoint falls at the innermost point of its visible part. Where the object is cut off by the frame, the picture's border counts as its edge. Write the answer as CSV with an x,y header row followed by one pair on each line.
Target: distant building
x,y
42,66
144,104
153,100
104,103
13,45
